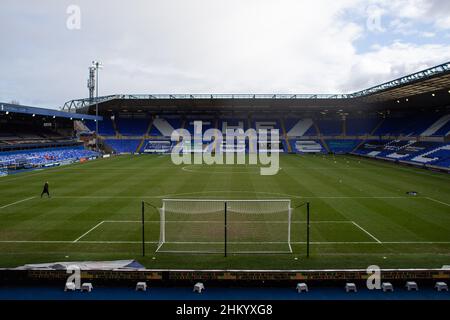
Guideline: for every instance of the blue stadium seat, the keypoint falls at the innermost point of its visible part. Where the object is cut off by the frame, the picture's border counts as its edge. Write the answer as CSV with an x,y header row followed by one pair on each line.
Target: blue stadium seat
x,y
360,126
206,124
303,127
38,157
123,145
330,127
173,122
132,127
105,127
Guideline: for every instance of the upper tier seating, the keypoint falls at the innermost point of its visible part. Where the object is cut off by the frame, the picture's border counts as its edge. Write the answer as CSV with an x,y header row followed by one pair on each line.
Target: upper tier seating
x,y
165,126
132,126
300,127
233,124
440,128
14,136
365,126
266,124
206,124
330,127
105,127
419,124
407,126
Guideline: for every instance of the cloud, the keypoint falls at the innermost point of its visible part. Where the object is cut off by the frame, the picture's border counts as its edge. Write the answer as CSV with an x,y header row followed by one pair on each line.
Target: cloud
x,y
206,46
443,22
433,12
390,62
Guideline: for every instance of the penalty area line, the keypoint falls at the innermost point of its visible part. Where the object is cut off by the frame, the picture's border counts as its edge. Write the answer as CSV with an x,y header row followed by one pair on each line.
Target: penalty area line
x,y
17,202
84,234
437,201
367,232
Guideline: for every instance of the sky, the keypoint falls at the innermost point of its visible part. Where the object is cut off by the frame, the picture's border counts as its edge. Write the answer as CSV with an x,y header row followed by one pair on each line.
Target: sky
x,y
214,46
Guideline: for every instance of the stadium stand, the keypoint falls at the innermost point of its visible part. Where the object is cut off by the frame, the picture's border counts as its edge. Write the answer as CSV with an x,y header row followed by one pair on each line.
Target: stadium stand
x,y
156,146
342,146
407,126
266,124
24,159
33,137
207,123
306,146
439,128
363,126
163,127
20,135
391,137
300,127
440,154
420,152
330,127
123,145
105,127
238,123
132,126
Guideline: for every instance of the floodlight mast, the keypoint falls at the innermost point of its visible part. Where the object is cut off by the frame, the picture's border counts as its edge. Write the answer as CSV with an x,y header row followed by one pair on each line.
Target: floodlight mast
x,y
96,65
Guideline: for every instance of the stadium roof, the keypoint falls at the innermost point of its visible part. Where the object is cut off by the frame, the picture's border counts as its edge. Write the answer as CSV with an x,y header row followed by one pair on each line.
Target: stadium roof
x,y
14,108
430,80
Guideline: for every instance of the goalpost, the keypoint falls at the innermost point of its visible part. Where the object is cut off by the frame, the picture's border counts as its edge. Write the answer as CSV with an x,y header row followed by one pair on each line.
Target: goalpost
x,y
225,226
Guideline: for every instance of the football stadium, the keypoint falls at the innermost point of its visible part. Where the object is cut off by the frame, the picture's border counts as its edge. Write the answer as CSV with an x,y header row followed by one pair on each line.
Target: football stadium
x,y
228,193
373,167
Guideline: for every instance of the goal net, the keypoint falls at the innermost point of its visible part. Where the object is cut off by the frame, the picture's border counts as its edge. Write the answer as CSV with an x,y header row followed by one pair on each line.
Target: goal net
x,y
225,226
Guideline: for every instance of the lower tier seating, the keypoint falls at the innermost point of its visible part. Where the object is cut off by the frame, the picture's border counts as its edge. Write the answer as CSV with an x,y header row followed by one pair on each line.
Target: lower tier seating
x,y
42,157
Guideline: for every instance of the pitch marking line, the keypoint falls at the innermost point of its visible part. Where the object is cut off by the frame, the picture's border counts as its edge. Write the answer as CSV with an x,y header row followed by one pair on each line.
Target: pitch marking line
x,y
154,242
434,200
221,222
84,234
367,232
17,202
193,193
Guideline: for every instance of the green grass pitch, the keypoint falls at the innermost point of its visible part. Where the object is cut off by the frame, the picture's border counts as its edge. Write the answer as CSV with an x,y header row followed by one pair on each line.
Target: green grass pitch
x,y
360,212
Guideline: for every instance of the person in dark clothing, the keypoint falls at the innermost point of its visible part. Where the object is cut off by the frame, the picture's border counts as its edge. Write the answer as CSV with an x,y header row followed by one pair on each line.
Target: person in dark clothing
x,y
46,190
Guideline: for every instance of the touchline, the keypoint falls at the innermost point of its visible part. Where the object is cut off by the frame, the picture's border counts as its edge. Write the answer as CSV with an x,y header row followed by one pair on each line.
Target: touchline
x,y
214,147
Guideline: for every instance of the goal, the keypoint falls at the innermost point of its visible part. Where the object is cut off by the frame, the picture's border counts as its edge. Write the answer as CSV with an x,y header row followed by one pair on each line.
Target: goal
x,y
225,226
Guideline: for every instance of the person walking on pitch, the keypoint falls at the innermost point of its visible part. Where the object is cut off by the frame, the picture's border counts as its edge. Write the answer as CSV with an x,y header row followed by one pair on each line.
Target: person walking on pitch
x,y
46,190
